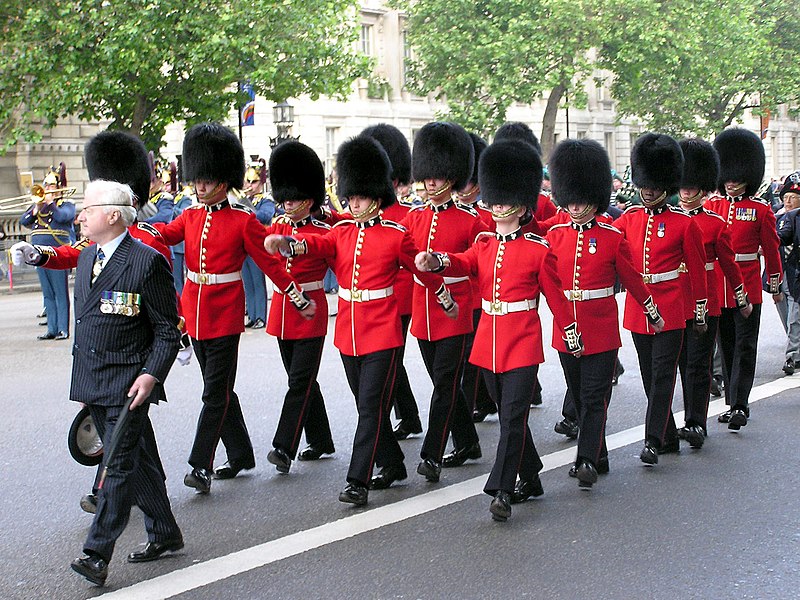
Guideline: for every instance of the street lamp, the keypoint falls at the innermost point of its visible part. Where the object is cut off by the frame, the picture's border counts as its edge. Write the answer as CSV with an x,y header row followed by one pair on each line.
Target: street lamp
x,y
283,117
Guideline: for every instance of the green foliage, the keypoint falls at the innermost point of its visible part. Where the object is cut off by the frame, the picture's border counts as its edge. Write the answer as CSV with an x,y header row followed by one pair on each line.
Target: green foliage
x,y
143,64
694,66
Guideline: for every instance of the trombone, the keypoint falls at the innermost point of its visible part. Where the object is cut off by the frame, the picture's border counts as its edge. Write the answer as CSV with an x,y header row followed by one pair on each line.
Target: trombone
x,y
37,194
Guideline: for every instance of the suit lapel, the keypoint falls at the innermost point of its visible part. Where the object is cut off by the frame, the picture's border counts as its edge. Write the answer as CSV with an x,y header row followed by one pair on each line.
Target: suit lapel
x,y
112,271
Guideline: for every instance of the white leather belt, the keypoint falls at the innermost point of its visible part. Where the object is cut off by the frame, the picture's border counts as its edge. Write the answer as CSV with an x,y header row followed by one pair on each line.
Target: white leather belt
x,y
447,280
213,278
580,295
499,307
307,287
365,295
709,266
659,277
746,257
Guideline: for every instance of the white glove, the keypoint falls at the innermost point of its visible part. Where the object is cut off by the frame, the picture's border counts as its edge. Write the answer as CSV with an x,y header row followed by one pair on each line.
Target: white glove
x,y
24,252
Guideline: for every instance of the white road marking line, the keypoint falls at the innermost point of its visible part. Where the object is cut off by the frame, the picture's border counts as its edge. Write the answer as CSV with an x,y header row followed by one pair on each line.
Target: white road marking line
x,y
217,569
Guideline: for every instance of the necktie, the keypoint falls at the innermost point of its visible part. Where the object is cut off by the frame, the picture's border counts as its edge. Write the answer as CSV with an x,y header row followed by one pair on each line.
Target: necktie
x,y
98,264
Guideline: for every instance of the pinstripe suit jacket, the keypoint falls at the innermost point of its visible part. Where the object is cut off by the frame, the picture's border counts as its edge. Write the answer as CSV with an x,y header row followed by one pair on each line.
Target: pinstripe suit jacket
x,y
111,350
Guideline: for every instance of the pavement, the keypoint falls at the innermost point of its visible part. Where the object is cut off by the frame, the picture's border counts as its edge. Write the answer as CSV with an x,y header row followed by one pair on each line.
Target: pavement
x,y
720,522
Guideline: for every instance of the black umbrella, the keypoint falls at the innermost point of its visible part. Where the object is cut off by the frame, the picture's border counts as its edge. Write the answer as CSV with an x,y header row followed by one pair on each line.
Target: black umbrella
x,y
119,429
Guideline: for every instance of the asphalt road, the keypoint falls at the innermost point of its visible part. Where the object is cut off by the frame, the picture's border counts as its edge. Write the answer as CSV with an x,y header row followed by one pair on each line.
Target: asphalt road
x,y
721,522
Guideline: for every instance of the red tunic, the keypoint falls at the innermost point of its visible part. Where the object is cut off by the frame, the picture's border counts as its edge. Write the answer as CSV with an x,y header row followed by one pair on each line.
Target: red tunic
x,y
367,256
751,224
284,320
404,285
661,241
590,257
218,238
511,268
450,228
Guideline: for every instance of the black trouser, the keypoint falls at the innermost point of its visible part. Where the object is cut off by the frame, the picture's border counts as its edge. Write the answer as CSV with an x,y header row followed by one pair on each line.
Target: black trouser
x,y
371,378
696,364
133,478
589,383
739,343
444,361
149,439
516,452
658,362
303,405
405,406
221,416
473,383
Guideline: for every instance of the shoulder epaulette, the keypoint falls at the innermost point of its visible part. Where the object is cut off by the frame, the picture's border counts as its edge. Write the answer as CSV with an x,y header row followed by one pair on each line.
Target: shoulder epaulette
x,y
322,224
241,208
81,243
633,208
393,224
608,226
711,213
467,208
760,200
195,207
557,225
282,218
343,222
148,228
532,237
482,234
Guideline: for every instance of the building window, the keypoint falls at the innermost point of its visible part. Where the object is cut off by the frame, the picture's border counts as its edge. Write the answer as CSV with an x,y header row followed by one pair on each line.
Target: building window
x,y
331,134
795,157
406,56
581,134
556,139
773,150
366,39
611,147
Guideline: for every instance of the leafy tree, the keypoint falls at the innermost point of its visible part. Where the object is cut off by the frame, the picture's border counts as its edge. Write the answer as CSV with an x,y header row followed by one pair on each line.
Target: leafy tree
x,y
146,63
694,66
483,55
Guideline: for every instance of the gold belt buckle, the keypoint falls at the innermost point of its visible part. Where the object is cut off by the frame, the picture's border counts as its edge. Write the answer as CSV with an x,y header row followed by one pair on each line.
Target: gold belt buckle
x,y
576,295
647,278
355,295
202,278
497,307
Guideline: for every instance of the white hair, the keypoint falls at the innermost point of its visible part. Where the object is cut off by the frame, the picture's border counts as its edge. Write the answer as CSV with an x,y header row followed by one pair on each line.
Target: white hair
x,y
112,195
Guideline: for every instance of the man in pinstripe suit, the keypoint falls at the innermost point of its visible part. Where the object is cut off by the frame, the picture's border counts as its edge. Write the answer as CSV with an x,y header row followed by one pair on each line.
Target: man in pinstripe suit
x,y
126,340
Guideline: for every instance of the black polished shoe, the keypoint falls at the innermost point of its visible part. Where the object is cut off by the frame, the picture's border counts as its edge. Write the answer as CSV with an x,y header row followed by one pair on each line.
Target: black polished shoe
x,y
199,479
717,386
527,488
670,447
738,419
89,503
91,566
602,466
567,427
46,336
387,476
459,456
281,460
501,506
258,324
429,469
61,336
154,550
406,428
42,323
231,469
249,323
479,414
617,373
694,435
354,493
725,417
649,454
312,452
789,366
586,474
537,398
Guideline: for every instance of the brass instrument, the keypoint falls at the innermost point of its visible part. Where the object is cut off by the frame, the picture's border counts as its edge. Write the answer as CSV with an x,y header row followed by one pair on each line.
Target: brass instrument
x,y
37,194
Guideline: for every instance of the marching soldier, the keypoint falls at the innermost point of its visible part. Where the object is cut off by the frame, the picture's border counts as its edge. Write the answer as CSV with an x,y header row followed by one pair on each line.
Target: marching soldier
x,y
218,238
700,171
298,183
366,254
664,241
513,270
396,146
443,159
51,221
473,383
255,286
752,226
591,256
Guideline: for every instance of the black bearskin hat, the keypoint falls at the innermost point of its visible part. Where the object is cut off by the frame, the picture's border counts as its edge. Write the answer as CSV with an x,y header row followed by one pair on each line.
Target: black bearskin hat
x,y
741,159
296,173
657,163
580,172
120,157
396,146
510,172
364,169
443,150
700,165
212,152
479,145
517,130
